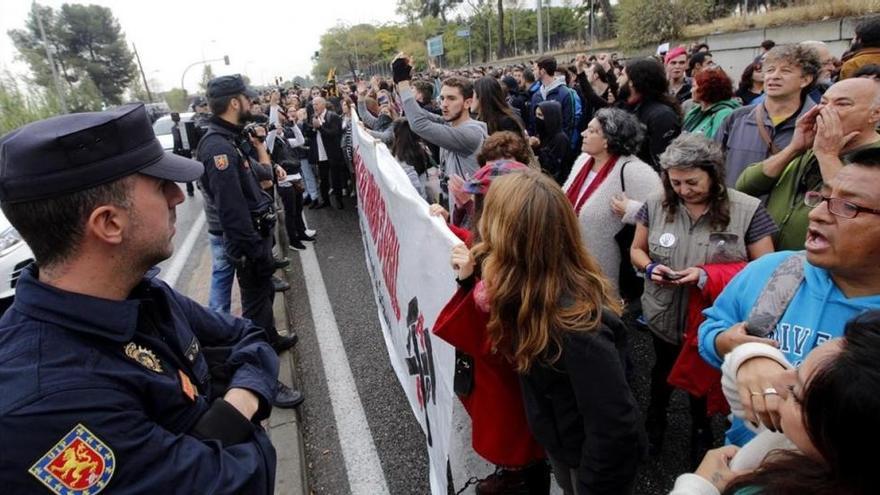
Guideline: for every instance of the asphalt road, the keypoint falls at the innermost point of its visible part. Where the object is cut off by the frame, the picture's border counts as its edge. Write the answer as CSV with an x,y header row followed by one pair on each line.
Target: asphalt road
x,y
390,424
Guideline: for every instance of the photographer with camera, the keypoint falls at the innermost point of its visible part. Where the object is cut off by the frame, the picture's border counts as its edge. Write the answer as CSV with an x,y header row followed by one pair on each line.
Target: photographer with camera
x,y
235,162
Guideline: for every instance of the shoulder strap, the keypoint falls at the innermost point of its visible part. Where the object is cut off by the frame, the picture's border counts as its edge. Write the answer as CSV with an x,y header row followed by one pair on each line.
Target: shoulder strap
x,y
622,178
762,130
776,295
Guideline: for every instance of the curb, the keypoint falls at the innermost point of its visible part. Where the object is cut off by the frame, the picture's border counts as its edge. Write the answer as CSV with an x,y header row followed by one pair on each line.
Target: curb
x,y
291,473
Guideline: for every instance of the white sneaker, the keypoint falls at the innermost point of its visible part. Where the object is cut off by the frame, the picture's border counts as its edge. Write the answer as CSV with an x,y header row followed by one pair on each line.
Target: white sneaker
x,y
311,232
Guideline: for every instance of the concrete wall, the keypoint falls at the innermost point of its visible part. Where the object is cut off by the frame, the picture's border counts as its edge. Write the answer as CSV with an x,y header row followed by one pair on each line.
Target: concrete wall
x,y
734,51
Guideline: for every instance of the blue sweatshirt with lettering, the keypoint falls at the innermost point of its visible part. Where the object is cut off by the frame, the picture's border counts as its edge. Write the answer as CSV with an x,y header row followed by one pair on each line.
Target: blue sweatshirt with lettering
x,y
817,313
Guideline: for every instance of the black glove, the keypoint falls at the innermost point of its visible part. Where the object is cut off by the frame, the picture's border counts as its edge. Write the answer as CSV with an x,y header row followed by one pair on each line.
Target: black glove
x,y
401,70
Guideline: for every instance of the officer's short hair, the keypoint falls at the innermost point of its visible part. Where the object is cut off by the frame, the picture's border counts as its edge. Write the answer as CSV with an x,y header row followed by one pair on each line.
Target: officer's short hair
x,y
53,228
220,104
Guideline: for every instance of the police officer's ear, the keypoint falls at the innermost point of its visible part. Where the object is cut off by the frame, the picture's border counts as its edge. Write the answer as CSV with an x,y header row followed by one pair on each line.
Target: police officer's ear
x,y
107,225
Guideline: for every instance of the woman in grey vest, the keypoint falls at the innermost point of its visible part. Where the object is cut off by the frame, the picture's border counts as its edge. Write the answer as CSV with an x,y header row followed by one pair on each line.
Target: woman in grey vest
x,y
695,221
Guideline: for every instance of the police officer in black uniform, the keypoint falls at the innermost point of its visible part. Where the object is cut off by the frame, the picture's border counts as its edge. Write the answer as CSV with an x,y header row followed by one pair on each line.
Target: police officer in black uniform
x,y
111,381
234,165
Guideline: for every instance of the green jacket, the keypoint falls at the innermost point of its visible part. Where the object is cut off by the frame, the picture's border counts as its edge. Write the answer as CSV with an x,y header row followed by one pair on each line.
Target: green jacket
x,y
785,201
707,122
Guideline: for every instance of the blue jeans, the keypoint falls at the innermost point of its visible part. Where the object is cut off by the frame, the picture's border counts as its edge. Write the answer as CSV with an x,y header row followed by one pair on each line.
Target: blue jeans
x,y
308,173
222,275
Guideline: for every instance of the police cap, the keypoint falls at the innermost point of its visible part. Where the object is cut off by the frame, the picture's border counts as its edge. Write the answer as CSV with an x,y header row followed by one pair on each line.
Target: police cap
x,y
70,153
229,86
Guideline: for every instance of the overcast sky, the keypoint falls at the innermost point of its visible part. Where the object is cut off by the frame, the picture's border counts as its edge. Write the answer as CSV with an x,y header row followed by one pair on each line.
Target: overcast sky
x,y
262,39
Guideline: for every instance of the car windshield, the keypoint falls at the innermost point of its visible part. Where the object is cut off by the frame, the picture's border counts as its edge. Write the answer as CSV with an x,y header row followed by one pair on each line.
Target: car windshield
x,y
163,126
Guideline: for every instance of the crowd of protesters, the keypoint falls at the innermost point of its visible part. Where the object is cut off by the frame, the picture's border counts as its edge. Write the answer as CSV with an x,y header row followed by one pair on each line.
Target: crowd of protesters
x,y
734,221
600,197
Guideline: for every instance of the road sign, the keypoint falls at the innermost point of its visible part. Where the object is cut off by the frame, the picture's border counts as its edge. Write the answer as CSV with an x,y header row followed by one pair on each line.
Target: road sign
x,y
463,33
435,46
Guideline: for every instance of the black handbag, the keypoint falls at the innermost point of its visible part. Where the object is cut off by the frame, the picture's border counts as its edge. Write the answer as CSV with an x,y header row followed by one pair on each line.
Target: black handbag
x,y
631,285
463,382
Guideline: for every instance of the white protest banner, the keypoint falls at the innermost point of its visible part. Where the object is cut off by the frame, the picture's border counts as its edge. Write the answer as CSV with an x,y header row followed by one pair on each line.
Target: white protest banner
x,y
407,253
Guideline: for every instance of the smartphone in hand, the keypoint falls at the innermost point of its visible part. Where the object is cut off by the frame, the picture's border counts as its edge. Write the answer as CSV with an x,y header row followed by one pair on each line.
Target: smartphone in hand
x,y
672,276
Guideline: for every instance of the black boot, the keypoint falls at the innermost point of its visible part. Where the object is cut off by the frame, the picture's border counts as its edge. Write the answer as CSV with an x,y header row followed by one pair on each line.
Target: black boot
x,y
538,478
504,482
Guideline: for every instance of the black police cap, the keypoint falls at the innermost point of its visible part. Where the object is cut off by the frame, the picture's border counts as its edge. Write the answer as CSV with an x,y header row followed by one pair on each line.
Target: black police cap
x,y
229,86
74,152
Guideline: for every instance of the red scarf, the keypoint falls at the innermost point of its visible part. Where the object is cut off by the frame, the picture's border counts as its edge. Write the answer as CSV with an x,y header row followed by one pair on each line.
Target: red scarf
x,y
578,183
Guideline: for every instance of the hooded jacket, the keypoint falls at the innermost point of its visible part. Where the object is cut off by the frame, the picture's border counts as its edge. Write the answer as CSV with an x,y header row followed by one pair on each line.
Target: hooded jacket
x,y
707,122
553,151
555,91
817,313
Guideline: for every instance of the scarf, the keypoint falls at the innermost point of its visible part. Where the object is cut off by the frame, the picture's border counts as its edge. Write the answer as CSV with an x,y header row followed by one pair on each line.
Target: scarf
x,y
578,182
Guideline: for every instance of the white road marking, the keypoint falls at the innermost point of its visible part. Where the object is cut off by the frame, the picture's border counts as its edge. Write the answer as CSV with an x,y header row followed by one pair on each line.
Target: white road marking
x,y
181,255
362,466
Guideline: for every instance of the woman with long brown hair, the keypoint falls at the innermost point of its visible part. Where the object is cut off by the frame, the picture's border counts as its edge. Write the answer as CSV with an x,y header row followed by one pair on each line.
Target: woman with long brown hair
x,y
489,105
552,315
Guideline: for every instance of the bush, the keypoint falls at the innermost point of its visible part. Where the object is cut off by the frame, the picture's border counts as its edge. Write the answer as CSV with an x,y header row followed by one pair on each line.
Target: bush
x,y
645,22
18,108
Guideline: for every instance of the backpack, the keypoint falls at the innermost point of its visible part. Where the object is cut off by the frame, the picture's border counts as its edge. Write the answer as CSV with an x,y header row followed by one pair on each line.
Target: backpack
x,y
577,114
776,296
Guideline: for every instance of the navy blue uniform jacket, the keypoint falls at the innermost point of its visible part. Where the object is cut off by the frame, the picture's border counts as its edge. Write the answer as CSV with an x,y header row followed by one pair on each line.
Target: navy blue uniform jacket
x,y
107,395
232,183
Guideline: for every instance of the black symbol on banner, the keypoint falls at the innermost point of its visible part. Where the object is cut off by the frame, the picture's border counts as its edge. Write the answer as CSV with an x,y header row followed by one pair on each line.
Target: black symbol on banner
x,y
420,360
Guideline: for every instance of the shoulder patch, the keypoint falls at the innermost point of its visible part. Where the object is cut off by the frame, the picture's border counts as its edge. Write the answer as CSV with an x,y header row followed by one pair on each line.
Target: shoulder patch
x,y
221,162
79,464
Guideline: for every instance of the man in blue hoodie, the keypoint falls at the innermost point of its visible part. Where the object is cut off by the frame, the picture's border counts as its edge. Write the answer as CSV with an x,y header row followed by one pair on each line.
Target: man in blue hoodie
x,y
841,279
552,88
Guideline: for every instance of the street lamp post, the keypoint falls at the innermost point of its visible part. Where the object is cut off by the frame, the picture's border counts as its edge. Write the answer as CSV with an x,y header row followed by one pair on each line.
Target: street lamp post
x,y
225,60
58,87
540,28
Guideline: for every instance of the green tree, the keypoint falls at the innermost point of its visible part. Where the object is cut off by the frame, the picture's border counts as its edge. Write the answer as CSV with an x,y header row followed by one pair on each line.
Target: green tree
x,y
644,22
90,50
137,92
18,108
176,99
207,75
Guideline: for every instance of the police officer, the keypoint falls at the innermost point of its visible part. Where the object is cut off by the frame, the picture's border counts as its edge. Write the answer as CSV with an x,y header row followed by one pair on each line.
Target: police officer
x,y
180,138
112,381
200,118
234,165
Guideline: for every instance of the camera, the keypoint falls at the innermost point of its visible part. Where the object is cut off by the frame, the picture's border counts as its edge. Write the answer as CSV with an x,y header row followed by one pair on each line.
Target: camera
x,y
264,221
250,130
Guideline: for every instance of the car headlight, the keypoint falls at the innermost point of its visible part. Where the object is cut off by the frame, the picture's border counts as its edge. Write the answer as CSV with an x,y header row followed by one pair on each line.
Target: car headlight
x,y
9,240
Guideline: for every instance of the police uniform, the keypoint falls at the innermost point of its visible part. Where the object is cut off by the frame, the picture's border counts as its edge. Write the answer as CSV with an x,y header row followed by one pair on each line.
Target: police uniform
x,y
121,396
245,212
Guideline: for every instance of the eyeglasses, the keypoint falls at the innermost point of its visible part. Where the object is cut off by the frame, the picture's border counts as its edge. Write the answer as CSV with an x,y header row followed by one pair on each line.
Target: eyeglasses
x,y
837,206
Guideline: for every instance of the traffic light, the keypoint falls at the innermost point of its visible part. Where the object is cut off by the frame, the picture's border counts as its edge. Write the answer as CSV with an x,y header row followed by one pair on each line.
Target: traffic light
x,y
226,59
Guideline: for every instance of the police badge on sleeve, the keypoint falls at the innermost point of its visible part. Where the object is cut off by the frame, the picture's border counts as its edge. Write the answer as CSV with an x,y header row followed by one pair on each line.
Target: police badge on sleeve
x,y
79,464
221,162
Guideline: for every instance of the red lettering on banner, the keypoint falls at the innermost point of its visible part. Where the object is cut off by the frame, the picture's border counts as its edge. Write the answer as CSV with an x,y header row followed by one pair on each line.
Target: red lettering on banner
x,y
381,229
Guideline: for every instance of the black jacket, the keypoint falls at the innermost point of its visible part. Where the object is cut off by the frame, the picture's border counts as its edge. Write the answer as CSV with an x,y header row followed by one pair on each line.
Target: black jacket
x,y
592,101
554,150
581,409
662,125
331,137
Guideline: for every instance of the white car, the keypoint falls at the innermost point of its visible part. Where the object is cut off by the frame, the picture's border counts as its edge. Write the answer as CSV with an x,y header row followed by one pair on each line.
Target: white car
x,y
14,256
162,127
